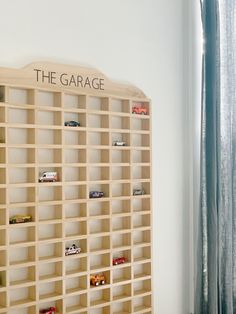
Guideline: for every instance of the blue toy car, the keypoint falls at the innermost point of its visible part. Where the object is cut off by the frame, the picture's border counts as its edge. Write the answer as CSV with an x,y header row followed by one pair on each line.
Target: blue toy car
x,y
72,123
95,194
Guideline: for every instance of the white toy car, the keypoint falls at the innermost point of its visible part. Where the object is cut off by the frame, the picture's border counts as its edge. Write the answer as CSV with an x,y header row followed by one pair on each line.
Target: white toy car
x,y
73,249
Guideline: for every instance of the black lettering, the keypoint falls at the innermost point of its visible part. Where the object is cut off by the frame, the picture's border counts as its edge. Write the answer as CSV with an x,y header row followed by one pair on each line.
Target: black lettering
x,y
80,80
64,81
95,83
37,74
87,82
53,77
101,81
72,81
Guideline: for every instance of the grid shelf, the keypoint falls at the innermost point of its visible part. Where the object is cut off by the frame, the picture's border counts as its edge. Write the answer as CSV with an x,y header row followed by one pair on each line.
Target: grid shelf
x,y
95,141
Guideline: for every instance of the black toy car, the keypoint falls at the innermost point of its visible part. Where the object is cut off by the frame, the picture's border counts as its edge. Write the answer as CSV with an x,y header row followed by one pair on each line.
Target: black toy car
x,y
138,192
96,194
71,123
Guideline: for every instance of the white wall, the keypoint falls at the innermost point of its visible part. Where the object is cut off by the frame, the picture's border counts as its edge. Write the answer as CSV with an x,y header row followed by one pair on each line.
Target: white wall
x,y
140,41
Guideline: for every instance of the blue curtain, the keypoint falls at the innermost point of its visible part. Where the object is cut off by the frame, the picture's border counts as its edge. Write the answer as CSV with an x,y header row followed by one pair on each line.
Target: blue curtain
x,y
216,273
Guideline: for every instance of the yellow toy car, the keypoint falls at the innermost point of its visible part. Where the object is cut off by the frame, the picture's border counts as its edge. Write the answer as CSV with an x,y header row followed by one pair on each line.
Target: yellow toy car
x,y
96,280
20,219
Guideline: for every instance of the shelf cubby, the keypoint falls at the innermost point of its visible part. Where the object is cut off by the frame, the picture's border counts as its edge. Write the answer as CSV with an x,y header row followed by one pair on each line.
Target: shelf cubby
x,y
48,99
77,102
120,275
47,137
49,192
74,116
75,192
36,104
20,135
48,118
98,156
99,261
120,173
75,156
74,174
22,296
98,297
120,155
142,270
141,237
98,103
120,189
75,265
75,228
50,251
140,221
50,289
98,138
22,255
121,240
121,207
20,116
98,121
75,284
79,241
21,234
75,304
97,244
75,211
21,175
99,209
120,106
97,226
140,140
120,292
21,96
49,231
138,124
119,122
141,287
121,137
50,271
121,224
22,156
142,304
47,213
141,254
124,307
22,276
74,136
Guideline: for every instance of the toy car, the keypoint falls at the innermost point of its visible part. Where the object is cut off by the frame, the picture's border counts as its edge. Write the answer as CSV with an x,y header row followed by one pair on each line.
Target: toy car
x,y
20,219
119,260
139,110
50,310
97,280
48,176
119,143
96,194
73,249
72,123
138,192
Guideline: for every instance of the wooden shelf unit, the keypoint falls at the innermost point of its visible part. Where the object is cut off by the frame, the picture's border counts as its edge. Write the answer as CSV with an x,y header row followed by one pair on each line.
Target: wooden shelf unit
x,y
34,271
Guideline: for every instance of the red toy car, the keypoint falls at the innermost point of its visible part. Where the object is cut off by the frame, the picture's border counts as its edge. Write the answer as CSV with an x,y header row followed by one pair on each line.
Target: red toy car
x,y
139,110
50,310
119,260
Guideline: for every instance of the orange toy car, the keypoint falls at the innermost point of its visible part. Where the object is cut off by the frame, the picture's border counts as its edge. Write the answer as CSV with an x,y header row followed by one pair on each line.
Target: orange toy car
x,y
97,280
139,110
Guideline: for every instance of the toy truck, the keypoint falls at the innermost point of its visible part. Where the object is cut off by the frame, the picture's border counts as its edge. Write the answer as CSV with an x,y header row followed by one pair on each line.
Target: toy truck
x,y
139,110
96,280
48,176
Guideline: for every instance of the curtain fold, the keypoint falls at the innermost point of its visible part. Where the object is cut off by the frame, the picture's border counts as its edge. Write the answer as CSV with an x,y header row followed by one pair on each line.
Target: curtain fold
x,y
216,273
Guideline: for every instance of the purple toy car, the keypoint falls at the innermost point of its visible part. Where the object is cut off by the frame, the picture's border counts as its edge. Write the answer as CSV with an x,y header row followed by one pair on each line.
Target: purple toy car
x,y
96,194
